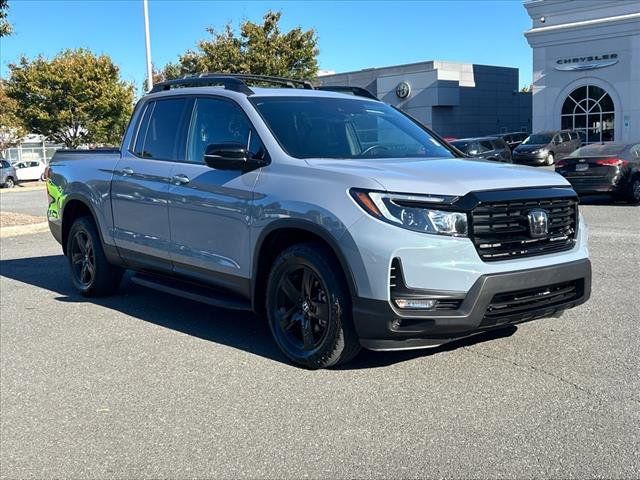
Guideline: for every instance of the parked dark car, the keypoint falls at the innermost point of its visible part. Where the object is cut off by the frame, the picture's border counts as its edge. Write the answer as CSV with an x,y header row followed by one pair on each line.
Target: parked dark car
x,y
491,148
513,139
604,168
545,148
8,177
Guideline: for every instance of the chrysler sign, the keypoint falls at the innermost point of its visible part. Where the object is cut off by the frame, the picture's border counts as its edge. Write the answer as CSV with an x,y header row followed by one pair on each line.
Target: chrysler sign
x,y
588,62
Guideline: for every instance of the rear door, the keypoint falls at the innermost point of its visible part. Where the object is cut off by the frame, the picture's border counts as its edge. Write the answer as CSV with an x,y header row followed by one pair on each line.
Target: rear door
x,y
140,186
209,209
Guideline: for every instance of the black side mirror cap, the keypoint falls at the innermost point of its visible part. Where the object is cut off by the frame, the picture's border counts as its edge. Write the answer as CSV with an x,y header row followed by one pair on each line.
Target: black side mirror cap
x,y
231,156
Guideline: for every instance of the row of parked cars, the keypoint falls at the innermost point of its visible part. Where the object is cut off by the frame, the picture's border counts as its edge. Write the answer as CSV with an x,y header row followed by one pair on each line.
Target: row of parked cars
x,y
597,168
520,147
11,175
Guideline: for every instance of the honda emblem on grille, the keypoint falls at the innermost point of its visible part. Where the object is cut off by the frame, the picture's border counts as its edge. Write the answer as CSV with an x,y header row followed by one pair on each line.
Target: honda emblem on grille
x,y
538,223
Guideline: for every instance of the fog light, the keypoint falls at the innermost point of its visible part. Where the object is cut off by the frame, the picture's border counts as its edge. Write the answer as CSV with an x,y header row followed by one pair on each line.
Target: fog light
x,y
416,303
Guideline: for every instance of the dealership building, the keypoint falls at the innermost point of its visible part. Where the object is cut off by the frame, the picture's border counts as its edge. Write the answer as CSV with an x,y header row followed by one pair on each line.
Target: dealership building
x,y
586,67
455,99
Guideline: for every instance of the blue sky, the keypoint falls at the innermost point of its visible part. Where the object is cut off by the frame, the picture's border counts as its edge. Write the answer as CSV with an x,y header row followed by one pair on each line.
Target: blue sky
x,y
352,34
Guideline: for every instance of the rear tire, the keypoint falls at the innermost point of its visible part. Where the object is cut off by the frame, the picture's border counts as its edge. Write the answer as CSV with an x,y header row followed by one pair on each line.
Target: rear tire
x,y
91,273
633,195
9,183
309,307
550,159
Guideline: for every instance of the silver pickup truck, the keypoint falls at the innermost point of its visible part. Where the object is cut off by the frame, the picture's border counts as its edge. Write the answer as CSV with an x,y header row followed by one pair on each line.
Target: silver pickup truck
x,y
343,221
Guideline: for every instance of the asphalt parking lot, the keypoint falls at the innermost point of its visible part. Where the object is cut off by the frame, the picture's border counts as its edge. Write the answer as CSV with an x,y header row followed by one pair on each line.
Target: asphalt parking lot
x,y
30,199
146,385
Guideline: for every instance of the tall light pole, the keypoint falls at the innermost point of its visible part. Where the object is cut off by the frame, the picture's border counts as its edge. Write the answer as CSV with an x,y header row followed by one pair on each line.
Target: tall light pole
x,y
145,6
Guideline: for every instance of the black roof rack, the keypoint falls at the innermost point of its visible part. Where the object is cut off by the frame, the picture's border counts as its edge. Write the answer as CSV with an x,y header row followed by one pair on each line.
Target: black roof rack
x,y
205,80
237,82
230,81
357,91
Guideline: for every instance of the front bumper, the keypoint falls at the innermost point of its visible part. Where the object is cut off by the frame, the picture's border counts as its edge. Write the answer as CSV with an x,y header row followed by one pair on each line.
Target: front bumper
x,y
382,326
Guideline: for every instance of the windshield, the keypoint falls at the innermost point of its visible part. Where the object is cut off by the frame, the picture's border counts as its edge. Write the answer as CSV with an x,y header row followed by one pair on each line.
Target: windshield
x,y
323,127
537,139
593,150
460,144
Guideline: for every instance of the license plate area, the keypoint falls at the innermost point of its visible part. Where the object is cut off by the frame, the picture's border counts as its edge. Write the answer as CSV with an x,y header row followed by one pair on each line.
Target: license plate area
x,y
582,167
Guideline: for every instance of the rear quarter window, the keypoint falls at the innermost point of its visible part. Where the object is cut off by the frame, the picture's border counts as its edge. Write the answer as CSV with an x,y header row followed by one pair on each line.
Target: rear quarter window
x,y
161,130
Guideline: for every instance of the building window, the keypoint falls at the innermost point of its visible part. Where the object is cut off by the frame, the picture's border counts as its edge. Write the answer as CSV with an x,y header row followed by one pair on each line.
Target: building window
x,y
589,110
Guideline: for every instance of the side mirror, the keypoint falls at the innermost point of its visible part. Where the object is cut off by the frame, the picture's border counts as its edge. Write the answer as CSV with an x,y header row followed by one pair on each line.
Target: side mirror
x,y
231,156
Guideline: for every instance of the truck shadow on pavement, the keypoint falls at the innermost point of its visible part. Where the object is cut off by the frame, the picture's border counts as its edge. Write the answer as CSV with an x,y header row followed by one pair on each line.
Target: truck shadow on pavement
x,y
241,330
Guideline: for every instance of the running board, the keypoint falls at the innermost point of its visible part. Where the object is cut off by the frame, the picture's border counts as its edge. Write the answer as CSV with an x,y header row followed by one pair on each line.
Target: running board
x,y
192,291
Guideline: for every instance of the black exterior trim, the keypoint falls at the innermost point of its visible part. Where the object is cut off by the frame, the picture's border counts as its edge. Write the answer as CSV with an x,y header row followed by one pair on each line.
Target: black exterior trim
x,y
307,226
357,91
379,326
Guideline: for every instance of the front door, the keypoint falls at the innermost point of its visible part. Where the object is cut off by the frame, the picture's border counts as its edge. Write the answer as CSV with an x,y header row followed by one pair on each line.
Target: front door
x,y
209,209
140,186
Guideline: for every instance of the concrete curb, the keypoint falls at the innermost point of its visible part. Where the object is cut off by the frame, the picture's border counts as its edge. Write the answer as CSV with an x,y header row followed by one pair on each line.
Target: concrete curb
x,y
16,230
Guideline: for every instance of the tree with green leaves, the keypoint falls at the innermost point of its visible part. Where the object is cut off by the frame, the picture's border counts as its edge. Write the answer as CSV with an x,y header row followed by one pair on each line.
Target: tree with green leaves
x,y
5,26
258,48
11,128
75,98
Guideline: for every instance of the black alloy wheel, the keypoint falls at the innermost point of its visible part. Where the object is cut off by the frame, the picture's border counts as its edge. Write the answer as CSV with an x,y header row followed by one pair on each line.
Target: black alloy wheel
x,y
91,273
83,261
302,308
308,306
9,183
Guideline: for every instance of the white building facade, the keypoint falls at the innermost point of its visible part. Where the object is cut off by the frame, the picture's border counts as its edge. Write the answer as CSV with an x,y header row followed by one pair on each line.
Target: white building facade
x,y
586,67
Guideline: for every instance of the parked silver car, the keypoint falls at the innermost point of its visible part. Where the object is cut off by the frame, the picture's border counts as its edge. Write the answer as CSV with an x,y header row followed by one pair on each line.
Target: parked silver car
x,y
8,177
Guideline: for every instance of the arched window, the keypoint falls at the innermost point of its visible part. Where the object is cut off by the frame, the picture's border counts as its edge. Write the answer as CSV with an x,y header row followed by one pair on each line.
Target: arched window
x,y
589,110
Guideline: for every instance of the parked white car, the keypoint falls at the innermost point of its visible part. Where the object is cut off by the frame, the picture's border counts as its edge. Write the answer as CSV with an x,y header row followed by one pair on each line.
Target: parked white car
x,y
30,170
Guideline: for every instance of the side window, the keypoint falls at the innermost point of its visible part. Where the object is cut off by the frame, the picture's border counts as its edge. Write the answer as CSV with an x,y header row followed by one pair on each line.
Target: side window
x,y
556,139
635,151
498,144
485,146
565,136
142,129
4,164
216,121
161,132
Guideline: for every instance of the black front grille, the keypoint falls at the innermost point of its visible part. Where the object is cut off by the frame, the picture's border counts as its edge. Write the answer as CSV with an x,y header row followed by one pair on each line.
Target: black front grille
x,y
523,304
500,229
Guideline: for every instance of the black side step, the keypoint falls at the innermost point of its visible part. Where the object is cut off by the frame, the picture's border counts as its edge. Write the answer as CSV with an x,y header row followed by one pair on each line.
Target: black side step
x,y
192,291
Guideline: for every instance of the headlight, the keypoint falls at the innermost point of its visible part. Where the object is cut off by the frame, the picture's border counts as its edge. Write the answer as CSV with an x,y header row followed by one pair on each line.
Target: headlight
x,y
413,212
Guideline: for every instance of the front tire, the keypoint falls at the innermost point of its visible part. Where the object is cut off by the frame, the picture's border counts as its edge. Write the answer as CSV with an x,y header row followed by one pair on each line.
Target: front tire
x,y
9,183
309,308
550,159
91,273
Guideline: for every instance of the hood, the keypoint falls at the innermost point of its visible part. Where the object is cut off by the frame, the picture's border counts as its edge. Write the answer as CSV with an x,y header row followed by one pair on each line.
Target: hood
x,y
442,176
530,147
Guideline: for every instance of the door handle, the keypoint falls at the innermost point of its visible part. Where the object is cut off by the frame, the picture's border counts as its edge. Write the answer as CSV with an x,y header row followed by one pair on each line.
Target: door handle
x,y
180,179
127,171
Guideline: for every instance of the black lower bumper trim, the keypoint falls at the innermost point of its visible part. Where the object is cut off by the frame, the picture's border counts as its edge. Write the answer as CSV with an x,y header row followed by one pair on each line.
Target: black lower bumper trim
x,y
380,326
